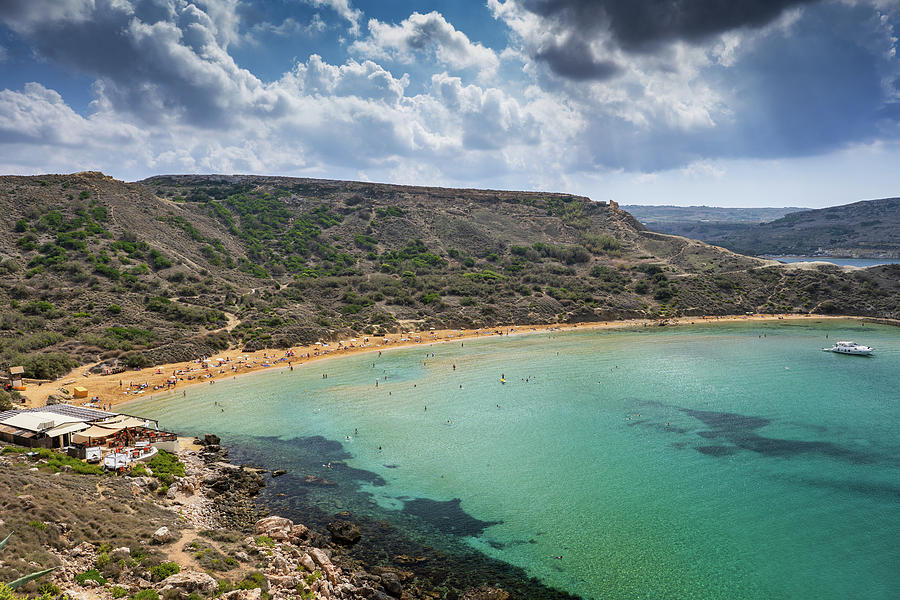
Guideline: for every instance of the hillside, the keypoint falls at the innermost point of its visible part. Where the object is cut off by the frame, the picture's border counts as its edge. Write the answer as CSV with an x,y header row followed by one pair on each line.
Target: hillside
x,y
865,229
710,224
177,266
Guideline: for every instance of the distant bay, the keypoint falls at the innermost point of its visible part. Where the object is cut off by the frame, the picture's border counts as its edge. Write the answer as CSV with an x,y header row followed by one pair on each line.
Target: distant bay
x,y
843,262
732,460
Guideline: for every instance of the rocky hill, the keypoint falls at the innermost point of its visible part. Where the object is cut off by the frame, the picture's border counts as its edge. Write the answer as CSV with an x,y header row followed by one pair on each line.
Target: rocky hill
x,y
710,224
176,266
860,230
865,229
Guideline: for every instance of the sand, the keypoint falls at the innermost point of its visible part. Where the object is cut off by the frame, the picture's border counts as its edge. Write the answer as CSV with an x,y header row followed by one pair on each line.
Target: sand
x,y
113,391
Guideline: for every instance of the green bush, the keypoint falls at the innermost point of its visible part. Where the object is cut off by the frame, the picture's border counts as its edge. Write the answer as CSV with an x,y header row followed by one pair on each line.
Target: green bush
x,y
146,595
166,467
92,574
117,591
163,570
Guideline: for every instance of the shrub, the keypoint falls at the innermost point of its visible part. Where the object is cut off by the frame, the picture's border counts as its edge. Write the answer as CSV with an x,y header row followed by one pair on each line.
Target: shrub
x,y
114,309
117,591
146,595
163,570
166,467
92,574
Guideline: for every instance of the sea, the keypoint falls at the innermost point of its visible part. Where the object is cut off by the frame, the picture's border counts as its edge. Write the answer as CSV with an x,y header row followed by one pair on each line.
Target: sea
x,y
727,460
842,262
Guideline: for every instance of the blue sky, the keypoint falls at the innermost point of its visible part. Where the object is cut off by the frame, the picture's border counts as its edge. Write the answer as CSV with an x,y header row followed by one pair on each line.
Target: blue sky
x,y
739,103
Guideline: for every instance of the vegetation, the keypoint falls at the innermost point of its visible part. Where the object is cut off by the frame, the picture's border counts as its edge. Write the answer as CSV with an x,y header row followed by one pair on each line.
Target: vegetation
x,y
292,261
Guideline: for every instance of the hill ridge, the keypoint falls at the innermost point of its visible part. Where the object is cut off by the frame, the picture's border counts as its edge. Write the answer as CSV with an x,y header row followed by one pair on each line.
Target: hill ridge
x,y
149,272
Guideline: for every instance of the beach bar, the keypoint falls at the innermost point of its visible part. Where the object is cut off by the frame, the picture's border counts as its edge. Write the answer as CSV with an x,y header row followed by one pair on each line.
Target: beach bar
x,y
65,425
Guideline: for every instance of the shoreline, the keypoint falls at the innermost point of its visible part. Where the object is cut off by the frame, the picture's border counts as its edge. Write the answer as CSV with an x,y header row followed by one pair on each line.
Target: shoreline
x,y
111,388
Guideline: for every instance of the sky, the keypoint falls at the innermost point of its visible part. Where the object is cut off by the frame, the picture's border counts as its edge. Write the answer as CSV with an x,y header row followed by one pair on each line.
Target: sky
x,y
688,102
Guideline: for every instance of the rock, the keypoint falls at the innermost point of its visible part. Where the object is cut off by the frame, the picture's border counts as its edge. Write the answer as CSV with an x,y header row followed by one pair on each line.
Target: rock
x,y
379,595
278,472
189,581
316,480
170,494
242,556
485,593
391,584
344,532
162,536
211,439
322,559
280,565
277,528
83,549
299,533
283,581
151,483
77,595
123,552
307,561
254,594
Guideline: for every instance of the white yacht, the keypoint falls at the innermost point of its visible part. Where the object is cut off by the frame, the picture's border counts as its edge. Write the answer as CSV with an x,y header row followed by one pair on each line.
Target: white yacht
x,y
850,348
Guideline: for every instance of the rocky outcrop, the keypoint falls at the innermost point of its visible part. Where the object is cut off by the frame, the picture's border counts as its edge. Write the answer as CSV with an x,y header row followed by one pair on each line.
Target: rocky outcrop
x,y
187,582
344,532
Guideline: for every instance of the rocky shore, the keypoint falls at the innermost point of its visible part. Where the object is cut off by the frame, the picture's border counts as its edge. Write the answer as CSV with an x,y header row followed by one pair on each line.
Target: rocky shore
x,y
202,536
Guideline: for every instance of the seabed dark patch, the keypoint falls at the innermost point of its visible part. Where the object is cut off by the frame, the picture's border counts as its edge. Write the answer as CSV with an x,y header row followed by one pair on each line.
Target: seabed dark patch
x,y
740,430
427,537
447,517
716,450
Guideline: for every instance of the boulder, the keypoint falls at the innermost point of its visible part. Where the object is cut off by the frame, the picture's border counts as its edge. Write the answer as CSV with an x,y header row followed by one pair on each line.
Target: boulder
x,y
211,439
277,528
162,536
280,565
189,581
344,532
307,561
321,558
83,549
278,472
254,594
391,584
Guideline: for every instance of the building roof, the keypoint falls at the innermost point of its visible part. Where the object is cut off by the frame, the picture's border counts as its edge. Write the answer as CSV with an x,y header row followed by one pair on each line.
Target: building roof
x,y
38,421
63,413
67,428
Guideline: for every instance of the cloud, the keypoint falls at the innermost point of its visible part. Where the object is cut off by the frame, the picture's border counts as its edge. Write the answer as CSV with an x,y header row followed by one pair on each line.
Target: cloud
x,y
169,96
342,8
429,35
586,39
157,61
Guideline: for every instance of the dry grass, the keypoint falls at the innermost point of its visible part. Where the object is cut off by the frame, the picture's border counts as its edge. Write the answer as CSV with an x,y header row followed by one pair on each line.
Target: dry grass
x,y
62,510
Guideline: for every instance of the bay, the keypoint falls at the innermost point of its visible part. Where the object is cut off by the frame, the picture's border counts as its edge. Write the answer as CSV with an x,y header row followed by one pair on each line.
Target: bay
x,y
731,460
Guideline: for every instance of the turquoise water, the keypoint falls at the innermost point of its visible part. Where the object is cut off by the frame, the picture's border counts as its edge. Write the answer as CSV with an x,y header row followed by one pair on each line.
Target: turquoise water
x,y
723,461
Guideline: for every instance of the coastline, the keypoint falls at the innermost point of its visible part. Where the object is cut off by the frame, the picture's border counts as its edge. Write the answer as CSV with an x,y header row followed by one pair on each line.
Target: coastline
x,y
112,394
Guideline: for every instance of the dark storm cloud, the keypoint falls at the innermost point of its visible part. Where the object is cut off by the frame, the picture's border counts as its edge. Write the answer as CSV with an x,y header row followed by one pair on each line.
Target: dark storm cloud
x,y
639,26
573,60
637,23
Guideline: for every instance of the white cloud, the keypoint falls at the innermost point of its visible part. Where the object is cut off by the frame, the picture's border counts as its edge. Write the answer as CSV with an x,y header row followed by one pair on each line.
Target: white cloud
x,y
342,8
430,35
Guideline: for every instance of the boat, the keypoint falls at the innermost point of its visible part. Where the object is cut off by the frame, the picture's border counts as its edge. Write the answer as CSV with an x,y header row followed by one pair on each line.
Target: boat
x,y
850,348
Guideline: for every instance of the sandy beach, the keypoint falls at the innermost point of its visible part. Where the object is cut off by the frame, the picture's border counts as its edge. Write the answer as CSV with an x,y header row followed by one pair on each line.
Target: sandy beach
x,y
115,390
